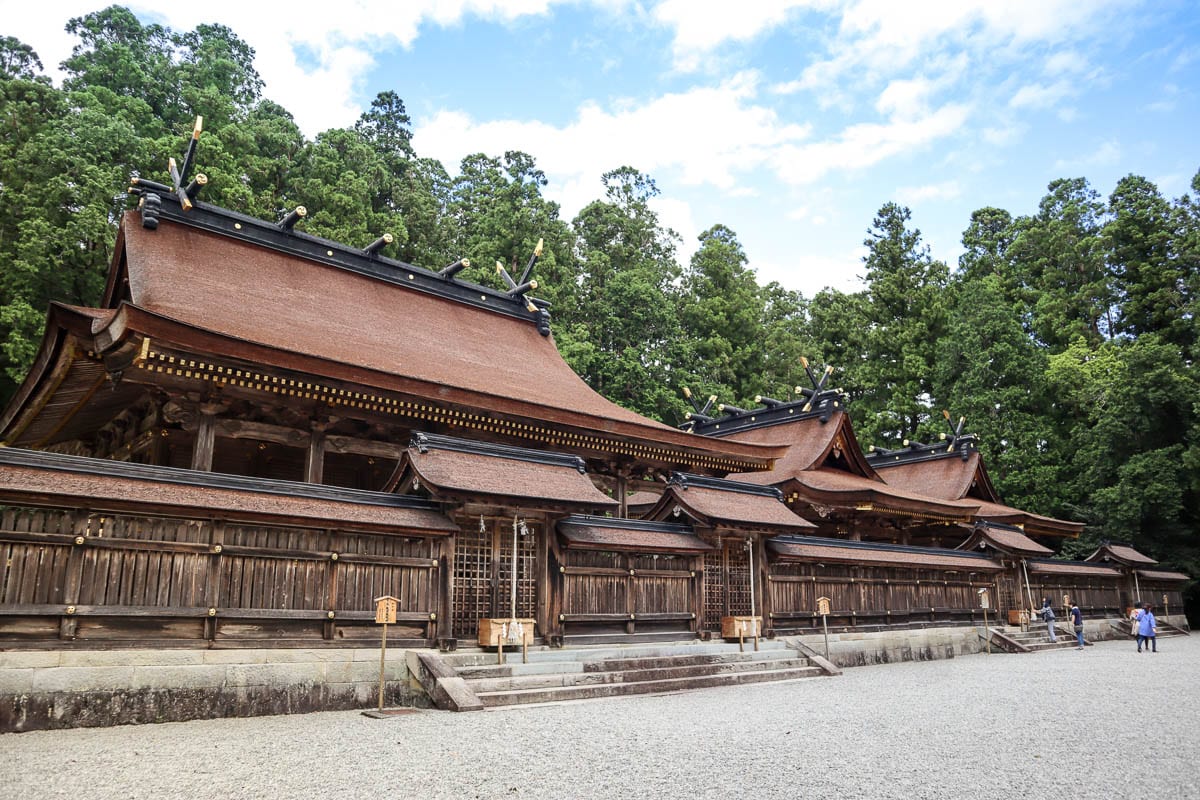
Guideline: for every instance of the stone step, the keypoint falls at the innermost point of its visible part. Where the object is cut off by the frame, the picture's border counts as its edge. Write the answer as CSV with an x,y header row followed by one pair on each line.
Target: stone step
x,y
479,657
609,663
589,691
582,639
485,685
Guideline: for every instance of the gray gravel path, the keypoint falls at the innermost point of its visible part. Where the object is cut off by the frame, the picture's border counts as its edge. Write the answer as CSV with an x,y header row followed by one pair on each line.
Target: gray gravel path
x,y
1100,723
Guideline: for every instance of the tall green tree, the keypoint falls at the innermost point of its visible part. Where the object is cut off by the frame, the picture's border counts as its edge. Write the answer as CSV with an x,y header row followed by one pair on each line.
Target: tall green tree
x,y
1148,275
905,317
990,371
1059,269
625,339
499,213
722,312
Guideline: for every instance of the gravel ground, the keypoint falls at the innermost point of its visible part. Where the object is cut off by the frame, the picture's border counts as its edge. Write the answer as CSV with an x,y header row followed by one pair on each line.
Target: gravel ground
x,y
1101,723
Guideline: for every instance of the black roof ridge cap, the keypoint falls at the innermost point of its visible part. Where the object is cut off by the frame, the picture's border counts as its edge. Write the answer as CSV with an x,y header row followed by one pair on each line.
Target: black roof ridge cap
x,y
595,521
423,441
987,523
753,418
896,458
1067,561
40,459
686,479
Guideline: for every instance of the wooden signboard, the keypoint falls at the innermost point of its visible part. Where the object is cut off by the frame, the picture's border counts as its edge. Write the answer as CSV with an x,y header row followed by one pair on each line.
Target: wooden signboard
x,y
385,609
823,606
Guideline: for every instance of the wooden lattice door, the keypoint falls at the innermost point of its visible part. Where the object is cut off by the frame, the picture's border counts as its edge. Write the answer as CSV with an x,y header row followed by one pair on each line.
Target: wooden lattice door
x,y
483,561
726,582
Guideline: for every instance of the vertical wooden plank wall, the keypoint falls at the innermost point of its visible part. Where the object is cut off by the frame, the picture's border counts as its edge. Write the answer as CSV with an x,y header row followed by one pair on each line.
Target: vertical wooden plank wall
x,y
71,576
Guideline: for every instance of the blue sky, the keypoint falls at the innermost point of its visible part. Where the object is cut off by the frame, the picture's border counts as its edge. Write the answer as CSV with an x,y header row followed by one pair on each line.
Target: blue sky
x,y
789,122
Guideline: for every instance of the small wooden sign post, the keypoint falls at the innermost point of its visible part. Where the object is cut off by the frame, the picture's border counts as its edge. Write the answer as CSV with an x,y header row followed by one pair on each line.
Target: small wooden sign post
x,y
1166,608
823,607
984,603
385,614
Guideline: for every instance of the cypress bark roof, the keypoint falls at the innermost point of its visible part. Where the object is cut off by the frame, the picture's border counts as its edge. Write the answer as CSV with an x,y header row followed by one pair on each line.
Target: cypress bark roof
x,y
1121,553
810,548
211,282
1005,539
463,470
1055,567
962,476
606,533
103,485
725,503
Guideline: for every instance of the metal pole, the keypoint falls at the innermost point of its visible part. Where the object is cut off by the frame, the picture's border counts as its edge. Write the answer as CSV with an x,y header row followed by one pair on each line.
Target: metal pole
x,y
382,663
825,625
1137,588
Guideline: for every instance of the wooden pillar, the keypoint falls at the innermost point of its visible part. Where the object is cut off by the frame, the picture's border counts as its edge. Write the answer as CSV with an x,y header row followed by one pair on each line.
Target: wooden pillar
x,y
314,467
212,583
448,547
762,583
202,450
328,630
543,586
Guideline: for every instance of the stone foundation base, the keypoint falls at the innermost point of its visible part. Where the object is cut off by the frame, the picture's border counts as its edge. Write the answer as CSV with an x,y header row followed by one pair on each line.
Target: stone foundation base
x,y
42,690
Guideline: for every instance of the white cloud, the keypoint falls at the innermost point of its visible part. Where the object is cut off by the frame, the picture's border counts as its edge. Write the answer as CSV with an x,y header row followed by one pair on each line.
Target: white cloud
x,y
810,274
1068,62
1003,134
342,41
1106,154
701,26
866,144
911,195
672,132
1040,95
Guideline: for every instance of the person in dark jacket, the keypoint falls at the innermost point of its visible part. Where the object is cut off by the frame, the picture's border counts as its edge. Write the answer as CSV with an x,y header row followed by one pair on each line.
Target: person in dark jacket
x,y
1147,630
1077,621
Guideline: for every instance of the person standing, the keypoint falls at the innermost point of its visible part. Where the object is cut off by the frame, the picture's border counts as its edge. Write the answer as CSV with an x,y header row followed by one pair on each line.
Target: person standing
x,y
1077,621
1047,613
1147,630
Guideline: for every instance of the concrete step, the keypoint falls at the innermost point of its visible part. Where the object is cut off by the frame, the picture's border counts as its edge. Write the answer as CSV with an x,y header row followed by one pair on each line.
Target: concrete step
x,y
487,685
675,684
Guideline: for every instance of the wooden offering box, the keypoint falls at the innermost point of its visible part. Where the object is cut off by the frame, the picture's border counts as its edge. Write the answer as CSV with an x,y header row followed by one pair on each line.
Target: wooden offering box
x,y
492,632
745,627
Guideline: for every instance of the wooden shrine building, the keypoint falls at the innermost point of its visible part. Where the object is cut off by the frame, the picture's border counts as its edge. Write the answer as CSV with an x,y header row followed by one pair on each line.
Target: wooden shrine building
x,y
258,431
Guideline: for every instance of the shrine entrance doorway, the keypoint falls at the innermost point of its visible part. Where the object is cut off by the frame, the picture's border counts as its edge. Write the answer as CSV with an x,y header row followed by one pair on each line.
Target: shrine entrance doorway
x,y
726,582
483,572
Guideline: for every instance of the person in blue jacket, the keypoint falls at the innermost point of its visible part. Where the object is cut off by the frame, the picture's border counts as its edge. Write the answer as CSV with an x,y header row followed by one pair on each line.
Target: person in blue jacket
x,y
1147,630
1077,621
